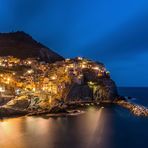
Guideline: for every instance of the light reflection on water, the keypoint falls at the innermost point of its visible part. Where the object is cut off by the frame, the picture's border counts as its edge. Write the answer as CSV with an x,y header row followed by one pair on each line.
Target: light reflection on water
x,y
109,127
86,130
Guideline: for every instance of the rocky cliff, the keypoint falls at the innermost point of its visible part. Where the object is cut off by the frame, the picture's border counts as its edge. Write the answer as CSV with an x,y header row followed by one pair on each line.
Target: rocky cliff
x,y
21,45
95,88
38,86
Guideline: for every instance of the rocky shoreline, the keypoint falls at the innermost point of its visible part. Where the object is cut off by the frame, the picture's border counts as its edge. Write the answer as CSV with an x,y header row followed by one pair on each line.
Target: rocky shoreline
x,y
43,82
74,108
11,112
136,109
65,110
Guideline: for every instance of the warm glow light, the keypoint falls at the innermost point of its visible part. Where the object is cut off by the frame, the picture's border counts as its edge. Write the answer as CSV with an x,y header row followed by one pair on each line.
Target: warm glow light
x,y
30,71
83,66
29,62
2,89
17,91
80,76
100,75
80,58
3,65
71,65
8,79
53,77
91,83
96,68
67,59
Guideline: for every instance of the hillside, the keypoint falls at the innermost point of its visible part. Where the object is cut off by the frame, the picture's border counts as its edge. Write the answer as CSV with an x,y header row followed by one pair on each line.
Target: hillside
x,y
36,85
21,45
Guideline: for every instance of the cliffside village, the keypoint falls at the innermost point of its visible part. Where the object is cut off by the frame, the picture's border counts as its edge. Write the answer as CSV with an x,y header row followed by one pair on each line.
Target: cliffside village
x,y
44,82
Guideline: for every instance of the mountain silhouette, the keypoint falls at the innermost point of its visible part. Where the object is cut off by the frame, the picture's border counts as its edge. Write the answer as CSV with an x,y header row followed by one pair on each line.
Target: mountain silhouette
x,y
21,45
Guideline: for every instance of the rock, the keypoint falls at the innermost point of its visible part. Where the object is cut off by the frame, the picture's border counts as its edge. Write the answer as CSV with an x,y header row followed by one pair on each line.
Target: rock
x,y
137,110
7,112
80,92
19,104
120,98
89,75
105,90
4,100
56,110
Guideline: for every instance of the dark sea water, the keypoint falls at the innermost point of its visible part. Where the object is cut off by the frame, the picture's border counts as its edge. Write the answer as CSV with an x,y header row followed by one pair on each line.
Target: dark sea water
x,y
139,93
108,127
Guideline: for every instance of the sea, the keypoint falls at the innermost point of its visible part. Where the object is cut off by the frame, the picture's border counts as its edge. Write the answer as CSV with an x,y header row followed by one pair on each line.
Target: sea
x,y
104,127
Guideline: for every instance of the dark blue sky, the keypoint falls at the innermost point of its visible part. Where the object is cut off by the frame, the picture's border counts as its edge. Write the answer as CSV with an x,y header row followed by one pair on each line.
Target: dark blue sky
x,y
111,31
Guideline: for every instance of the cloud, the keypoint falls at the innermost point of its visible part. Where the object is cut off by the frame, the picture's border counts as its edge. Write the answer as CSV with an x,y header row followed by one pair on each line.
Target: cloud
x,y
130,39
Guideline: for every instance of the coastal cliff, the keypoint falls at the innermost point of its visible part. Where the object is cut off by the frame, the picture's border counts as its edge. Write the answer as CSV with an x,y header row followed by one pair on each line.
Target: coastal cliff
x,y
101,90
38,86
36,80
34,87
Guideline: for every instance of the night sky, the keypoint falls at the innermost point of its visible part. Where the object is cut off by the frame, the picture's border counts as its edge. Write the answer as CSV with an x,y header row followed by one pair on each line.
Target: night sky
x,y
114,32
